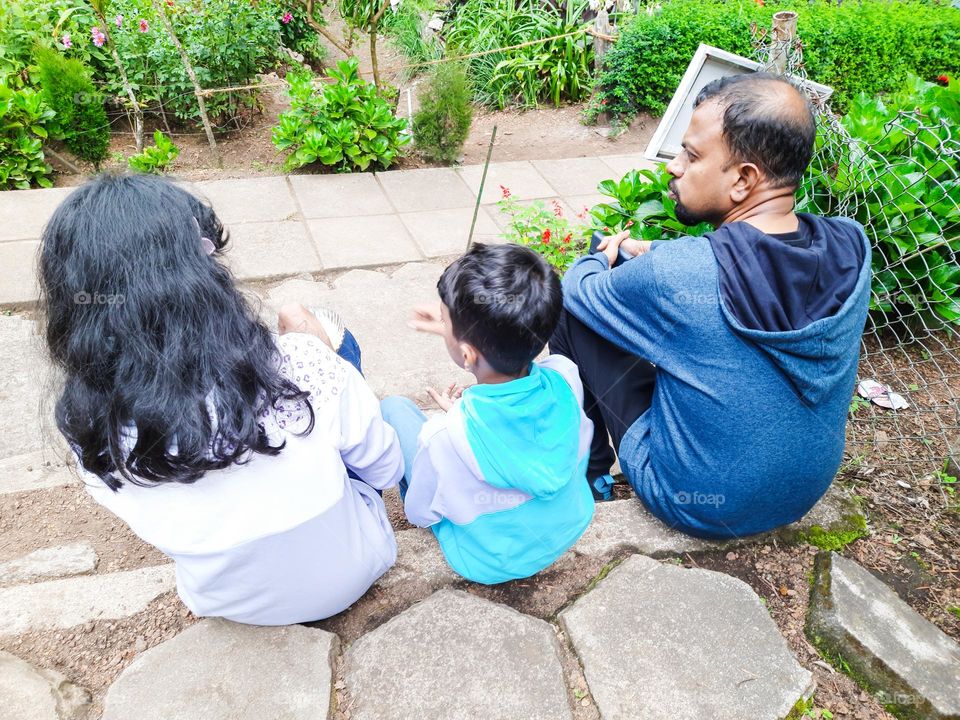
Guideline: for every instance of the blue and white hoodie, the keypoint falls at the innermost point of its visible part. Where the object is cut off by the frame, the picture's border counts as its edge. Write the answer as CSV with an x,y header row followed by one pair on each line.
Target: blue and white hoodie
x,y
501,477
287,538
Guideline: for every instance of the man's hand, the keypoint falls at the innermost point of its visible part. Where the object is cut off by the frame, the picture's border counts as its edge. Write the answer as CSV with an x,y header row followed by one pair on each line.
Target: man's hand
x,y
427,318
445,399
610,246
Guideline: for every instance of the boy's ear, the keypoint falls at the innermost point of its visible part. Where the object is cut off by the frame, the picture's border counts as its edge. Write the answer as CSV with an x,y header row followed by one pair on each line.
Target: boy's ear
x,y
471,356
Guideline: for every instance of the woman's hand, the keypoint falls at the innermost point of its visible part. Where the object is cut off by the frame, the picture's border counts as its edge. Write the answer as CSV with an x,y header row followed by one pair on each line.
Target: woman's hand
x,y
446,399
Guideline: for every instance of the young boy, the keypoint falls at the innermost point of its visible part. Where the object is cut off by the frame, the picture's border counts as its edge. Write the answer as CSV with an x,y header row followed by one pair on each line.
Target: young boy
x,y
500,475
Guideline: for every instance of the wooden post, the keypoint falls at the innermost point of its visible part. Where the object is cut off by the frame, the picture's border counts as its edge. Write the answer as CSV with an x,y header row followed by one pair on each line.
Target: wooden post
x,y
783,34
601,25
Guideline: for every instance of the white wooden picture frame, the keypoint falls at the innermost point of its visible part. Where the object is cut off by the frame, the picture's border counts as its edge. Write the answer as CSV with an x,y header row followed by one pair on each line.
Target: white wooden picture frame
x,y
708,64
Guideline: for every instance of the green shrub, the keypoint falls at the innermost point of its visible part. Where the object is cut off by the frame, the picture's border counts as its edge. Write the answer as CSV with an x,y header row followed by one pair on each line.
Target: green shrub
x,y
80,121
544,230
552,71
296,33
442,124
22,131
868,46
901,181
346,124
404,27
155,159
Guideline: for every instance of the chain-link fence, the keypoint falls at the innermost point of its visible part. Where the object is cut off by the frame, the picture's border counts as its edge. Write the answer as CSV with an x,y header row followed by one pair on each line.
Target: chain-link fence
x,y
894,166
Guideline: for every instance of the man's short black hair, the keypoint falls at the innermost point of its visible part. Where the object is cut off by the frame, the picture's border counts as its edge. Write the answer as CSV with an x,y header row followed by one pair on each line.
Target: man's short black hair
x,y
767,121
505,300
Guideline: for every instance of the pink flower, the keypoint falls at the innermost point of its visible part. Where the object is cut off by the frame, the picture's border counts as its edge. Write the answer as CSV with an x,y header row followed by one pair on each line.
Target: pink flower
x,y
119,20
557,210
98,37
505,191
66,41
144,26
287,17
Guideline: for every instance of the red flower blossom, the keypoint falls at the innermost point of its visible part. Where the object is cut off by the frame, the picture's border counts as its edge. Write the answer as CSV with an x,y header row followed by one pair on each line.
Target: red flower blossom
x,y
546,236
505,191
567,238
557,210
603,102
943,79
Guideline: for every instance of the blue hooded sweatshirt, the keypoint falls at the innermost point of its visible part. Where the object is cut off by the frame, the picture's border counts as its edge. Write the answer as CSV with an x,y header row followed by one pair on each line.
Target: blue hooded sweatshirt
x,y
501,477
756,344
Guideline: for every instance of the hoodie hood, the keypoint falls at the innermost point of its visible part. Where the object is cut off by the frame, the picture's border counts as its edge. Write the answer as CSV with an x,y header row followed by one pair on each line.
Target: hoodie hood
x,y
524,433
802,306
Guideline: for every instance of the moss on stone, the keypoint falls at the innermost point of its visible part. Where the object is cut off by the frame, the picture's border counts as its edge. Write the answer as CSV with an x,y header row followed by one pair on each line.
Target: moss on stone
x,y
837,536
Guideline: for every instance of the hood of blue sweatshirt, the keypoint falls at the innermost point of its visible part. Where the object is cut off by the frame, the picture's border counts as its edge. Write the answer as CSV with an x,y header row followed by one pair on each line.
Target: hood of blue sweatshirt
x,y
524,433
798,304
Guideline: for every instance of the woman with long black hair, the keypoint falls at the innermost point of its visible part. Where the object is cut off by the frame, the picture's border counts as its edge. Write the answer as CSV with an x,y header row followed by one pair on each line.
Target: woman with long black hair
x,y
251,459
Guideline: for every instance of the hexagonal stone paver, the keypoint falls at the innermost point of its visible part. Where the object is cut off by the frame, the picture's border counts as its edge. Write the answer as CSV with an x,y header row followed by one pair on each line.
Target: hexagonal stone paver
x,y
219,670
661,642
911,663
455,656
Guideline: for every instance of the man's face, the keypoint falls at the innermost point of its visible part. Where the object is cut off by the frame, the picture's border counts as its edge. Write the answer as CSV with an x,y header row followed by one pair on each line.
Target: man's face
x,y
701,186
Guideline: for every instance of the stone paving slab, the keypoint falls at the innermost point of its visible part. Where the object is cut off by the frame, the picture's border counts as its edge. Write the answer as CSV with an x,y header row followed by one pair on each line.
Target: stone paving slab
x,y
219,670
574,176
457,656
35,471
356,242
622,164
341,195
270,249
21,386
440,233
51,562
661,642
18,282
64,603
27,693
911,664
426,189
23,213
243,200
521,177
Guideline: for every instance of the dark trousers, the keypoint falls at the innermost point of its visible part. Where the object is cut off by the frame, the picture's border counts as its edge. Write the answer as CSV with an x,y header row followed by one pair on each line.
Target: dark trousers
x,y
617,386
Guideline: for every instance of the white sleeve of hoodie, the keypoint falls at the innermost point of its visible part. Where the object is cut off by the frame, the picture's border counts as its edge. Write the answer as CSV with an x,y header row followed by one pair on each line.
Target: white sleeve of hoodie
x,y
422,502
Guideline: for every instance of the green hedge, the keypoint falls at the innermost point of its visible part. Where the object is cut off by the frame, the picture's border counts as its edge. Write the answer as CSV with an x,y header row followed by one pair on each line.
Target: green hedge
x,y
869,46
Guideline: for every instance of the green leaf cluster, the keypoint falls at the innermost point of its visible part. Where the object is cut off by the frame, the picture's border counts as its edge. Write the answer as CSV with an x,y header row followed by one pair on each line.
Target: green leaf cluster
x,y
23,116
441,125
346,124
554,71
868,46
155,159
899,176
68,90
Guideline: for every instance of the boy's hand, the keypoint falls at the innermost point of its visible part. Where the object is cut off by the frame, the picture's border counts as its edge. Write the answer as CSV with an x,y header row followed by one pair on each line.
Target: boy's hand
x,y
427,318
610,246
446,399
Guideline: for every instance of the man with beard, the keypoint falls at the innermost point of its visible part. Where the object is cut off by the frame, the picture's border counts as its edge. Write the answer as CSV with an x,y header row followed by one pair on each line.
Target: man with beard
x,y
722,366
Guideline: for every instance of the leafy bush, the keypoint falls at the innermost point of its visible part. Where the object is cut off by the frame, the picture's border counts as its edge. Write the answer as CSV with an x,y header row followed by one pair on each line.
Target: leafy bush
x,y
404,26
346,124
296,33
442,124
869,46
552,71
900,178
155,159
80,121
546,231
642,205
22,131
55,24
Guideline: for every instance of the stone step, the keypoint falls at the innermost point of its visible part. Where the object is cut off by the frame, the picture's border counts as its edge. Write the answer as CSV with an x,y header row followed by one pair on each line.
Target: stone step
x,y
29,693
35,471
53,562
665,643
456,655
25,374
219,670
59,604
912,666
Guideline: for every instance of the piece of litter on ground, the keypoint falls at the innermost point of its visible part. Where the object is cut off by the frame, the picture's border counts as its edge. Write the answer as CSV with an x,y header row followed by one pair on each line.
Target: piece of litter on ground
x,y
882,395
904,484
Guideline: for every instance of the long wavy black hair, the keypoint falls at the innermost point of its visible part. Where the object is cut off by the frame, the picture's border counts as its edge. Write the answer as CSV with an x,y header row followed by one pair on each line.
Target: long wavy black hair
x,y
153,337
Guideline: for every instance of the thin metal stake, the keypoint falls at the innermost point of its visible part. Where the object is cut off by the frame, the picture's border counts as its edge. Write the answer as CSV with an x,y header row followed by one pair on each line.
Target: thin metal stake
x,y
483,180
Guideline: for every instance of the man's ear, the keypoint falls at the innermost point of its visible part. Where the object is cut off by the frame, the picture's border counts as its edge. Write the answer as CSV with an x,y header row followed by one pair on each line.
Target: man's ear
x,y
748,178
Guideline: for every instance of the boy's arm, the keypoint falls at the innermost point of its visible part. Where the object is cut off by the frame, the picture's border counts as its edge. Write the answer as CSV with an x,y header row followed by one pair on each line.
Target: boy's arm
x,y
368,446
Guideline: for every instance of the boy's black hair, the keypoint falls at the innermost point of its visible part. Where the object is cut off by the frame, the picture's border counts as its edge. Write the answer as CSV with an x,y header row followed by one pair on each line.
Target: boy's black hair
x,y
505,300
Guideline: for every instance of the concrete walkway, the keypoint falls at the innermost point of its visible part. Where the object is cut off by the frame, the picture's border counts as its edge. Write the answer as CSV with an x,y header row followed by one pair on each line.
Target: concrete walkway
x,y
287,225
